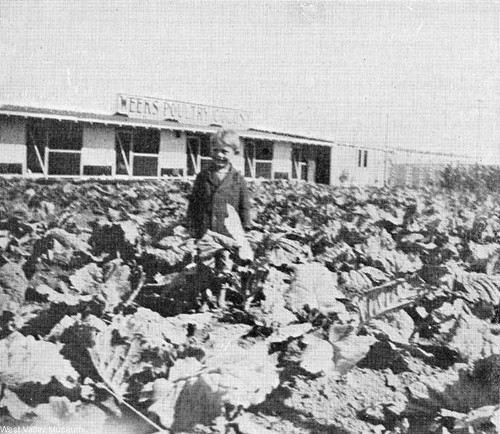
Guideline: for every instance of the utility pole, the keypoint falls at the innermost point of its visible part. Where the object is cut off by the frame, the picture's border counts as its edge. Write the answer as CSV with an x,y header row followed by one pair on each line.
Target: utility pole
x,y
386,175
478,134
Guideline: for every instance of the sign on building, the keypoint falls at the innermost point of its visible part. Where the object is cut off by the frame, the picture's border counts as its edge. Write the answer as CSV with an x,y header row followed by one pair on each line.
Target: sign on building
x,y
183,112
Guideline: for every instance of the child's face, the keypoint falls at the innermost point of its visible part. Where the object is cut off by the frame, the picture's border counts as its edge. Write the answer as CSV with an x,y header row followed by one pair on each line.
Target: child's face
x,y
222,154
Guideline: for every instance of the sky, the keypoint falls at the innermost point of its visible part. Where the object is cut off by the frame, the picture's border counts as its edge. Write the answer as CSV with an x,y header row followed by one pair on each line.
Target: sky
x,y
413,74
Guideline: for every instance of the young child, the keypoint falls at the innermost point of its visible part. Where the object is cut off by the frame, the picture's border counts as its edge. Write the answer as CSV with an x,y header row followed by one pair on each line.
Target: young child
x,y
214,189
218,186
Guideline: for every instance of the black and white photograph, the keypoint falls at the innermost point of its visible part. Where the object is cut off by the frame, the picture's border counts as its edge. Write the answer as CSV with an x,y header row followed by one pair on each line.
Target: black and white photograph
x,y
250,217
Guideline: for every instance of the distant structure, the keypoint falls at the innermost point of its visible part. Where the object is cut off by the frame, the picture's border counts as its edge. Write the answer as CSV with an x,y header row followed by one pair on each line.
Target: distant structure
x,y
158,138
410,168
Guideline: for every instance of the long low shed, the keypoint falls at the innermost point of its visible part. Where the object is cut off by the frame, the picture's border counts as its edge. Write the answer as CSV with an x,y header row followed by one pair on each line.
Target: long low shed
x,y
57,143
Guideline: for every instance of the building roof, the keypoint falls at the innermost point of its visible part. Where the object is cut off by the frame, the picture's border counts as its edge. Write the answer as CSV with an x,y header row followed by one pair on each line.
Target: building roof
x,y
115,119
122,120
282,137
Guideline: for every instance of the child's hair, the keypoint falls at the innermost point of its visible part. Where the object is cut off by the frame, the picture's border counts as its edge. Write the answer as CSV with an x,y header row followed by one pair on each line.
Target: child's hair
x,y
228,138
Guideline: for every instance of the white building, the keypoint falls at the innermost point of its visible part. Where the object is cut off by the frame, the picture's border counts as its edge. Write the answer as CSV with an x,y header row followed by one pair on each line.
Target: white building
x,y
149,137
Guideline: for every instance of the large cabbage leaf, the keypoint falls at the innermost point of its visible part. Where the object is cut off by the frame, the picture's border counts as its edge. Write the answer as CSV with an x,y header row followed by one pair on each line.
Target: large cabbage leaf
x,y
196,392
384,299
26,360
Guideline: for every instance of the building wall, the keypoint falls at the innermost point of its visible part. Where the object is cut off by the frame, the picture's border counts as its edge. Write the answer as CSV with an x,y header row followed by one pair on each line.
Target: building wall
x,y
399,167
98,145
13,141
346,170
373,174
344,161
282,158
172,150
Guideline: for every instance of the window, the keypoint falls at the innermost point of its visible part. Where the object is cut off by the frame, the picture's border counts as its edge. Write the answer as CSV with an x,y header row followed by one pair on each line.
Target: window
x,y
146,146
65,136
146,141
54,147
258,159
97,170
137,151
362,158
198,153
172,172
9,168
281,175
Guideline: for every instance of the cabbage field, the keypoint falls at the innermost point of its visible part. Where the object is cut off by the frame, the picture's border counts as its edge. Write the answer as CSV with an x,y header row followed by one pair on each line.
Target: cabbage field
x,y
363,311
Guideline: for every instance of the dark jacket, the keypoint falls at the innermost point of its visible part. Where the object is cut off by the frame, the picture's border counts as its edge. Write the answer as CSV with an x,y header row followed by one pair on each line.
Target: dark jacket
x,y
208,201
